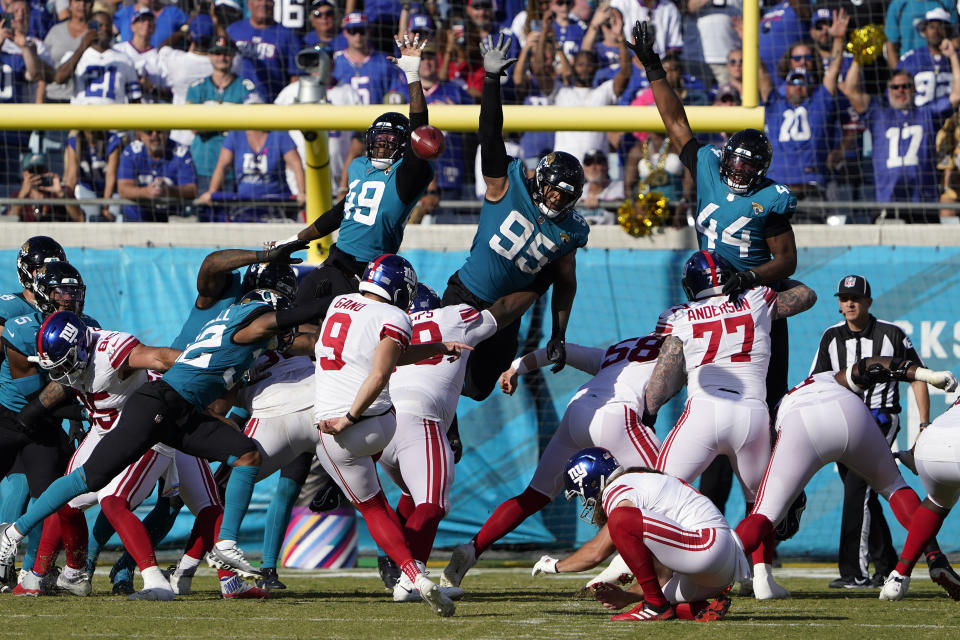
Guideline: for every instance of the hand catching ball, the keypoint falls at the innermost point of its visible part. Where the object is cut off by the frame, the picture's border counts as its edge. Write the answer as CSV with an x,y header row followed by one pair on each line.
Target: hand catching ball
x,y
427,142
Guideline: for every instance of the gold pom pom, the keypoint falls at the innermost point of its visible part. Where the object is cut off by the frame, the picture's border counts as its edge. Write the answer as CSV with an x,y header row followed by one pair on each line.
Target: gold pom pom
x,y
866,43
641,216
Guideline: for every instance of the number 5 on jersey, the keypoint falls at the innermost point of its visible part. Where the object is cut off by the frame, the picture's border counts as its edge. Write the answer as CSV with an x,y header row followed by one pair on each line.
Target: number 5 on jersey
x,y
536,253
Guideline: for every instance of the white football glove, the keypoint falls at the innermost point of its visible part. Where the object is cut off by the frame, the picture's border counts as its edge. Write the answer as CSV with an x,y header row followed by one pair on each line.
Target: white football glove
x,y
545,564
940,379
410,64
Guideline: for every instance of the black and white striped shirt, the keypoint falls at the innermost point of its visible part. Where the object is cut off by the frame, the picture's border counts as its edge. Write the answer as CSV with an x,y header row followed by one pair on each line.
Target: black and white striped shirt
x,y
840,346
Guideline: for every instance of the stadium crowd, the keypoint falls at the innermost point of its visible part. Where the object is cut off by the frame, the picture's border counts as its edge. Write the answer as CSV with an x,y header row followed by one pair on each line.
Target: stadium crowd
x,y
886,133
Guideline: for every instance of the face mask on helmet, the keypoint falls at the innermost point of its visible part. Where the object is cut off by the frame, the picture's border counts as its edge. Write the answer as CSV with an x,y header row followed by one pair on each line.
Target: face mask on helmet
x,y
64,348
425,300
68,297
557,184
392,278
386,138
740,173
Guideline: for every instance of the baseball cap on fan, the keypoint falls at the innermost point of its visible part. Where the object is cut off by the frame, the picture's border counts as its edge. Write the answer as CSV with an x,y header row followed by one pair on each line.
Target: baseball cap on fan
x,y
853,285
934,15
201,28
821,15
141,13
355,19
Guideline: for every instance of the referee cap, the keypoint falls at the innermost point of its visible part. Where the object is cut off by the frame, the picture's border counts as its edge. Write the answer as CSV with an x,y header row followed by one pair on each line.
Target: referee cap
x,y
853,285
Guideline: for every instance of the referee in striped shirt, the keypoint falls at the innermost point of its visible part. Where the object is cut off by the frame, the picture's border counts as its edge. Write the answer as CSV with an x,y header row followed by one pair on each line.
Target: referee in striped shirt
x,y
863,531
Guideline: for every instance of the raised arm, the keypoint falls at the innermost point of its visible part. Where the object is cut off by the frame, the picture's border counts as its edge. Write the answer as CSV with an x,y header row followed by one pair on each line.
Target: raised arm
x,y
837,31
622,79
668,377
948,49
215,271
853,89
668,102
414,173
493,153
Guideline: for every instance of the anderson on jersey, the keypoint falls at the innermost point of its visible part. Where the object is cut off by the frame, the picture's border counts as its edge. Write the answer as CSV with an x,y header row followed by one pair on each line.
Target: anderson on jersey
x,y
430,388
667,496
353,328
100,388
726,345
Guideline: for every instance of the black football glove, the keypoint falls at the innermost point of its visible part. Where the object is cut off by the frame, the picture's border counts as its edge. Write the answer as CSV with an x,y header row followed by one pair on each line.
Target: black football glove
x,y
281,252
648,419
644,37
740,282
453,437
328,498
790,524
557,354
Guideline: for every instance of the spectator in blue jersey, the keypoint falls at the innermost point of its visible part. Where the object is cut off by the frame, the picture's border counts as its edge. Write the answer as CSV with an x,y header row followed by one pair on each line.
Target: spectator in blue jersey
x,y
359,65
159,174
385,184
219,87
929,68
268,50
481,25
169,18
323,19
91,161
568,29
904,135
783,22
603,35
902,19
801,125
260,160
741,213
799,55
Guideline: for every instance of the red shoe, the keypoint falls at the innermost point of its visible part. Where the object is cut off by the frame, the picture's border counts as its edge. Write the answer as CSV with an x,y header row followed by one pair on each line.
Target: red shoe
x,y
716,610
234,588
29,585
645,613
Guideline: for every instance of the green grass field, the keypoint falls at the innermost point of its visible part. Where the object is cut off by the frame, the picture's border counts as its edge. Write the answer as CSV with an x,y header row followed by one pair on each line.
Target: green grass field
x,y
500,603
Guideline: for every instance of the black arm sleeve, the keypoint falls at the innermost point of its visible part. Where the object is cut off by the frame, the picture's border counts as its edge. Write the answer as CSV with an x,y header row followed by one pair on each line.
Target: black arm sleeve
x,y
330,220
688,155
493,153
303,313
414,174
777,223
69,411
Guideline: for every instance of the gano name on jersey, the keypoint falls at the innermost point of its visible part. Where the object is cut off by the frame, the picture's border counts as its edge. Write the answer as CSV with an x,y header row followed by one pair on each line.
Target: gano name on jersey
x,y
280,385
353,328
431,388
667,496
100,389
726,345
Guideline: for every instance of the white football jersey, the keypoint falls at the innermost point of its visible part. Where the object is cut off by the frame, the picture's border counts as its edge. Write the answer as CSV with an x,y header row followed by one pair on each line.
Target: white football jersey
x,y
726,345
146,63
353,328
623,371
666,495
819,387
183,68
431,388
282,385
107,77
100,389
940,441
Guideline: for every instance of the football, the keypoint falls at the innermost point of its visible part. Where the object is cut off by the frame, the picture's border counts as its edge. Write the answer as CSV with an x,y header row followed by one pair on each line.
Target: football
x,y
427,142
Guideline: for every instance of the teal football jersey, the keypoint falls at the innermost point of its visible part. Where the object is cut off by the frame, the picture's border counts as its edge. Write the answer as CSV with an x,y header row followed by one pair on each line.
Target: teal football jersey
x,y
200,317
14,305
213,362
20,333
733,225
373,214
514,241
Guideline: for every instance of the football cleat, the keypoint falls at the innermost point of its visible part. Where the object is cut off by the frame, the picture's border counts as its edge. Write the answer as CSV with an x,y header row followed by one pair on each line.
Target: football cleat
x,y
948,579
389,572
463,558
228,556
764,586
8,553
643,612
406,591
158,595
122,580
234,588
894,587
434,597
270,581
617,574
78,584
716,610
180,583
30,584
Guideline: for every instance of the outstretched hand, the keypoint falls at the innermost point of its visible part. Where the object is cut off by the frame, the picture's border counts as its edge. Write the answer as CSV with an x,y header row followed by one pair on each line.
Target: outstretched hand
x,y
280,253
409,49
644,38
495,60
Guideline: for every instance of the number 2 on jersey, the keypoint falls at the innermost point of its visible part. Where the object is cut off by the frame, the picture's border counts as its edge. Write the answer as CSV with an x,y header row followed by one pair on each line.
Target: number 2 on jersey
x,y
714,329
334,336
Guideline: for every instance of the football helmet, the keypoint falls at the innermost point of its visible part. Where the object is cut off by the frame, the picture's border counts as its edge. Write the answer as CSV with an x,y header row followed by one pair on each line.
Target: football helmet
x,y
34,252
587,474
425,300
58,286
278,300
745,159
561,172
704,275
391,129
270,275
63,347
391,277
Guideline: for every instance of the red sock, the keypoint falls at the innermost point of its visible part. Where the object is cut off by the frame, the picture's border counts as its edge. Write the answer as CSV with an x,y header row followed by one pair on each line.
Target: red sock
x,y
689,610
420,529
923,527
384,527
49,545
764,553
626,531
753,530
903,503
405,507
132,533
508,516
201,536
73,530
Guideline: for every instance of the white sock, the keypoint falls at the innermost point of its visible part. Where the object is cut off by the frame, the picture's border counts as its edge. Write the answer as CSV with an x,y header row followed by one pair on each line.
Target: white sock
x,y
153,579
70,572
14,535
226,544
187,566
